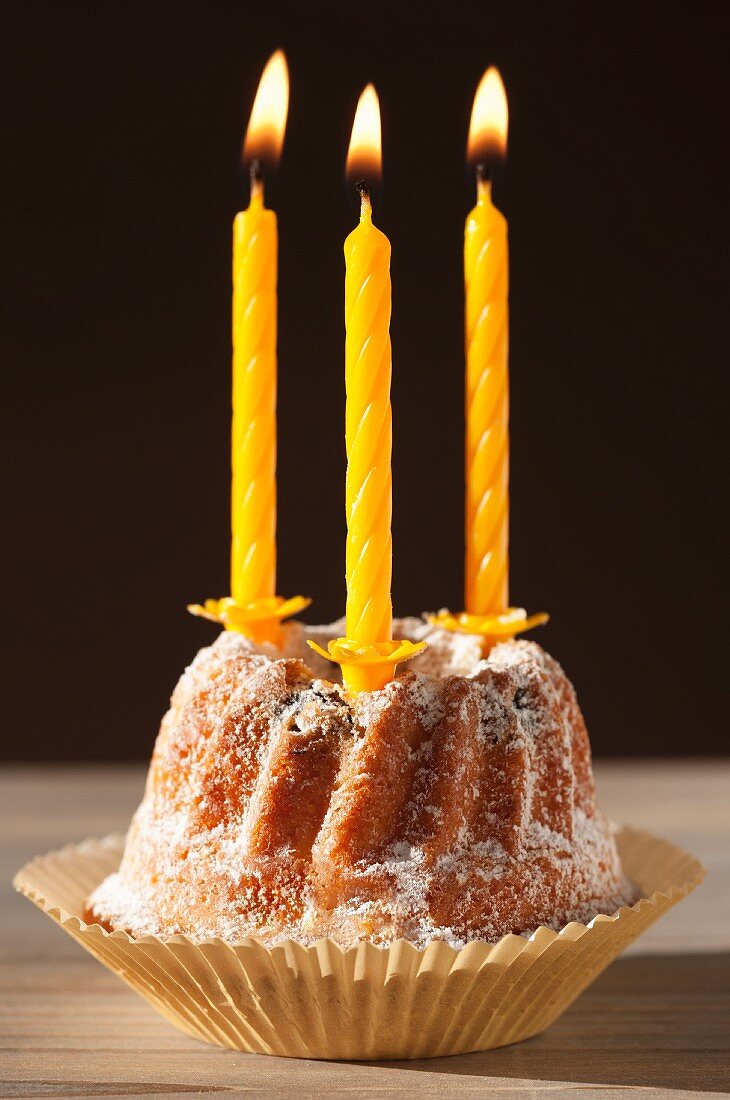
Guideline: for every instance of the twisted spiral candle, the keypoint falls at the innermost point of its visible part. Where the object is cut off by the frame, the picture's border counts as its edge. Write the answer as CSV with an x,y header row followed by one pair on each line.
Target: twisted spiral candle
x,y
487,408
253,608
487,391
253,458
368,654
368,432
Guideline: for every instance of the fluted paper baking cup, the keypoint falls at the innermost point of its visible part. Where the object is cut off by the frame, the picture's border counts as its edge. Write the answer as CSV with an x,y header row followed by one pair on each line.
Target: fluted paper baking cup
x,y
362,1002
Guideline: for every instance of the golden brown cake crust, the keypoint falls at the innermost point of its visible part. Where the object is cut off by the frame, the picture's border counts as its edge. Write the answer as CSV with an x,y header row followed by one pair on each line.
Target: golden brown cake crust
x,y
446,806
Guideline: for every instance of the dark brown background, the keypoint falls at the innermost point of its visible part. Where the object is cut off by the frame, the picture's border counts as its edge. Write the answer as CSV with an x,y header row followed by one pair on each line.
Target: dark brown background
x,y
123,127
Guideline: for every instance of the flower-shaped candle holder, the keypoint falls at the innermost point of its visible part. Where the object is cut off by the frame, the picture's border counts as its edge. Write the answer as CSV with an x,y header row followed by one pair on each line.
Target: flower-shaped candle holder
x,y
260,620
492,628
368,666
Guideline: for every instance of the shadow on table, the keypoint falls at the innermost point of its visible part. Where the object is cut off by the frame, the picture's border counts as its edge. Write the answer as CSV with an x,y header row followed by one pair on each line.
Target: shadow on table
x,y
654,1020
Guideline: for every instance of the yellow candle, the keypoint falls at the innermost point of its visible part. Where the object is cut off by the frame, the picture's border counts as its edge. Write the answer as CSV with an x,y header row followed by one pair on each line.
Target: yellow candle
x,y
253,608
487,383
368,431
253,436
368,654
487,408
253,456
487,392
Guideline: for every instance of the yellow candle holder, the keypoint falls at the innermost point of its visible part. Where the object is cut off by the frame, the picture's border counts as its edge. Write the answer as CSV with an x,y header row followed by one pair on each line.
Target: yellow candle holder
x,y
492,628
368,666
260,620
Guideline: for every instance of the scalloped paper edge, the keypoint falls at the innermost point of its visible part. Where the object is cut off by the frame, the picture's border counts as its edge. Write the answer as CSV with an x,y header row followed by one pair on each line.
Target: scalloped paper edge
x,y
363,1002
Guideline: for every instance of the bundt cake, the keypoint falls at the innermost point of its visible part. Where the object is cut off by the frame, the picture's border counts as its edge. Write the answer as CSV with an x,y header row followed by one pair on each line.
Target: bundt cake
x,y
457,803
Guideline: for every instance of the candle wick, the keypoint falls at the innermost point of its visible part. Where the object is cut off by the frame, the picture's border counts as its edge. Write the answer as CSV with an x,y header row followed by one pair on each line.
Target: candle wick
x,y
257,178
484,180
364,192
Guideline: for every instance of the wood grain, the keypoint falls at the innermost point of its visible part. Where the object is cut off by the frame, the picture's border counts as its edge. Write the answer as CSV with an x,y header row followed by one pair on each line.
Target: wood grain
x,y
658,1021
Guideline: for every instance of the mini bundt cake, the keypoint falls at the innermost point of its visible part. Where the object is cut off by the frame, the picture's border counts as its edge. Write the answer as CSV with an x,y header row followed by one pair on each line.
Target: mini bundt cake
x,y
457,803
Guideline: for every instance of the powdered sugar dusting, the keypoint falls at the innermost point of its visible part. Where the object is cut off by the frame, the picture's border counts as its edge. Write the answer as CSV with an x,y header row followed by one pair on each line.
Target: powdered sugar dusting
x,y
456,803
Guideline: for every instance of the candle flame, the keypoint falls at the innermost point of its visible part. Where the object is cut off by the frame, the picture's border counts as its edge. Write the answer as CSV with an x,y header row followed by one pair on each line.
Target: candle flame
x,y
364,157
265,133
488,127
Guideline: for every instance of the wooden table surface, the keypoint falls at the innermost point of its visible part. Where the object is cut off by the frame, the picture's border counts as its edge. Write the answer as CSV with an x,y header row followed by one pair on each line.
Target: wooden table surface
x,y
657,1023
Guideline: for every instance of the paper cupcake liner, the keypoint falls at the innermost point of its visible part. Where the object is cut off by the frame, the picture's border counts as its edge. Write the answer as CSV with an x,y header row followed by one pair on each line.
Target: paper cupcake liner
x,y
362,1002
